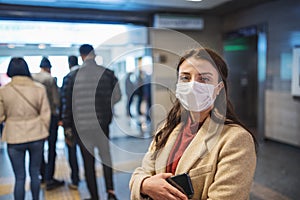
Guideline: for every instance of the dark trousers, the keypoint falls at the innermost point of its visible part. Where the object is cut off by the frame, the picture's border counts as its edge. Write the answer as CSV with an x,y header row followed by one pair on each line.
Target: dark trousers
x,y
149,103
89,164
139,103
129,102
17,154
72,156
47,170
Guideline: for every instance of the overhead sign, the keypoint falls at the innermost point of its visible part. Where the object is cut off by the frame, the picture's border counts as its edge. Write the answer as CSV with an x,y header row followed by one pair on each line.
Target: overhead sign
x,y
179,22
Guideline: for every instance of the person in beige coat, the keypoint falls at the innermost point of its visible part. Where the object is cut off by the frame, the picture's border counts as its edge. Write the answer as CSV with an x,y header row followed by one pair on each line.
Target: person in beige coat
x,y
25,110
201,136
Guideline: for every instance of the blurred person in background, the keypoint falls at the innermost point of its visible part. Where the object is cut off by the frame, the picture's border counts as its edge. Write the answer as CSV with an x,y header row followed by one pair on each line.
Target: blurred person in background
x,y
25,109
88,101
70,137
45,78
129,86
139,86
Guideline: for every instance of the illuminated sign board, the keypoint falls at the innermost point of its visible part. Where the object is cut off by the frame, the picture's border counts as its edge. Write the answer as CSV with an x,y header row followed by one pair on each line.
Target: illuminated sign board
x,y
179,22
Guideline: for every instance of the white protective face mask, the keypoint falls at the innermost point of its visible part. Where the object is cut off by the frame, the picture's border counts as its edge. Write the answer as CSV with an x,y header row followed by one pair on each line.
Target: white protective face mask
x,y
195,96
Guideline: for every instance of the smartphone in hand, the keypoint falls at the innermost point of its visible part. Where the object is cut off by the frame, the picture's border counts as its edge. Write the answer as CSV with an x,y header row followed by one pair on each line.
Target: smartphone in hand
x,y
183,183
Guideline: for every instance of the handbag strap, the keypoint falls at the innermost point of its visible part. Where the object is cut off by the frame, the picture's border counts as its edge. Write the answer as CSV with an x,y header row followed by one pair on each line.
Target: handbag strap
x,y
29,103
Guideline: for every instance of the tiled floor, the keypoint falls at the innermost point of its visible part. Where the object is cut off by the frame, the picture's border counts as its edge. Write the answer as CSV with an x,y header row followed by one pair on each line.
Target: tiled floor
x,y
277,176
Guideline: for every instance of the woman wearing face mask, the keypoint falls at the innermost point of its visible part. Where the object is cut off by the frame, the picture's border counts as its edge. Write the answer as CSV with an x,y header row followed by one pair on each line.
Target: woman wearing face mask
x,y
201,136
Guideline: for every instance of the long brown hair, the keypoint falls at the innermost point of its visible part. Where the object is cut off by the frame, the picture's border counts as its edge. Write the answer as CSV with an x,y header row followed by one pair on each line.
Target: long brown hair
x,y
178,114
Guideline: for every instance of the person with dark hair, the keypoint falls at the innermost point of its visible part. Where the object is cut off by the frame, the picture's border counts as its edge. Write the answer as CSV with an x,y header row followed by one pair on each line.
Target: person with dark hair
x,y
18,67
129,86
201,137
89,95
44,77
73,62
86,50
25,110
71,141
139,87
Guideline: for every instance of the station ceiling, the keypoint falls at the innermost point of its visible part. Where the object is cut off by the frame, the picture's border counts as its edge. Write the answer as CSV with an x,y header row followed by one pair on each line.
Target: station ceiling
x,y
218,7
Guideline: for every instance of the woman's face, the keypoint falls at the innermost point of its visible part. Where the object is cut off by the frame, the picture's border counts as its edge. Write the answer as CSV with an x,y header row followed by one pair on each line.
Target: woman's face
x,y
199,70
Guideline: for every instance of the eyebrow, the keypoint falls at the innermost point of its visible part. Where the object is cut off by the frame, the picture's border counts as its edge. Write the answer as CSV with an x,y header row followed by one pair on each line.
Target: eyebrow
x,y
184,73
206,73
201,74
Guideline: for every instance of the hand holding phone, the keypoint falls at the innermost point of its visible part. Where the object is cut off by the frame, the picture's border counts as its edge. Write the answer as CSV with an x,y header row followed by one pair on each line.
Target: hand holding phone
x,y
183,183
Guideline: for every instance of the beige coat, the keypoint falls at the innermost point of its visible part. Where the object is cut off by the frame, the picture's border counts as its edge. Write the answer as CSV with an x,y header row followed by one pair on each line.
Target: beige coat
x,y
221,164
22,122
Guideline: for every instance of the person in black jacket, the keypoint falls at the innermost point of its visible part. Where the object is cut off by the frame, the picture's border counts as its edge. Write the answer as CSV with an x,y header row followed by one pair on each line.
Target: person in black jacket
x,y
87,109
70,139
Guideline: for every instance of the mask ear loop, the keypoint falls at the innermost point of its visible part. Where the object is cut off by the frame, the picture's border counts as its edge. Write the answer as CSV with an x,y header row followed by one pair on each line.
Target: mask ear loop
x,y
219,116
219,87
